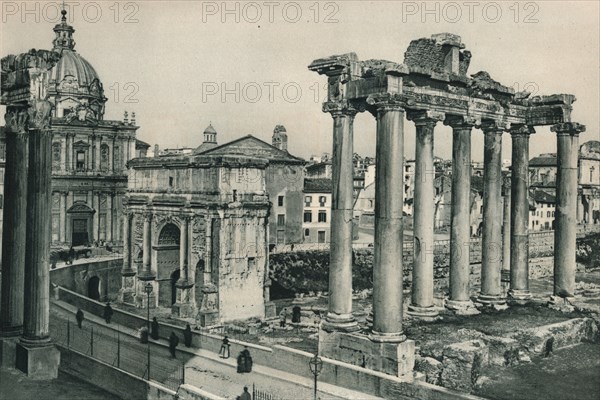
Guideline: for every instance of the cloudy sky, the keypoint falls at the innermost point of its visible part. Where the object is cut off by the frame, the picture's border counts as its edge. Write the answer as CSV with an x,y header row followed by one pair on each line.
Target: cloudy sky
x,y
243,65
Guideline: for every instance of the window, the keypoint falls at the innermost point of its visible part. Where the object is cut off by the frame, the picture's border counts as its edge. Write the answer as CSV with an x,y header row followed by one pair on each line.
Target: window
x,y
307,232
307,216
322,201
235,195
370,203
321,236
281,220
1,201
80,161
322,216
56,149
307,200
548,214
280,201
553,213
170,181
251,262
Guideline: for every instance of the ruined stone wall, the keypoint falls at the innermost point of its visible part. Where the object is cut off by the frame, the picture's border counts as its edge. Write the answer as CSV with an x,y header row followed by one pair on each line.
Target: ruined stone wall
x,y
242,267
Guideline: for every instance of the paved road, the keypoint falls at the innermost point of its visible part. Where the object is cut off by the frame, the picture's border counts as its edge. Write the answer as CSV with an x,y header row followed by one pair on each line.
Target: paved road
x,y
204,369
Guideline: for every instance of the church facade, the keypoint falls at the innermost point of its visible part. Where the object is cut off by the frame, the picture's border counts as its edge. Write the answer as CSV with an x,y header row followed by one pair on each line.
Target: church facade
x,y
89,153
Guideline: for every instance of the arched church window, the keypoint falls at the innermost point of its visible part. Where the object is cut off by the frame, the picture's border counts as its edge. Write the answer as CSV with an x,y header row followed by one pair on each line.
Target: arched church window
x,y
104,153
56,149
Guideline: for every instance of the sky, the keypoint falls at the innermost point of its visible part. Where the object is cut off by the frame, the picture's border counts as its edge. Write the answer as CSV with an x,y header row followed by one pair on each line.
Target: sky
x,y
242,66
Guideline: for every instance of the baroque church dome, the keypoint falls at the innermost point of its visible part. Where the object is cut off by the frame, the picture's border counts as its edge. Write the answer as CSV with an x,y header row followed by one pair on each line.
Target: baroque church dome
x,y
74,85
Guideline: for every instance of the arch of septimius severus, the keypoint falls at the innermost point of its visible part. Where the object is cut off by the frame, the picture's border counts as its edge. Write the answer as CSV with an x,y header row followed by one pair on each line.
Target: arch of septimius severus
x,y
430,87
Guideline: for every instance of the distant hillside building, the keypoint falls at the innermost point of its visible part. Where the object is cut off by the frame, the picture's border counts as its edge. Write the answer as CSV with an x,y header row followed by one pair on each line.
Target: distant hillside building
x,y
317,210
542,172
284,179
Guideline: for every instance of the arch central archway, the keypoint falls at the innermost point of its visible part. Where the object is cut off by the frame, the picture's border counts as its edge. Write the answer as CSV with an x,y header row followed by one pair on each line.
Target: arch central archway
x,y
167,264
93,288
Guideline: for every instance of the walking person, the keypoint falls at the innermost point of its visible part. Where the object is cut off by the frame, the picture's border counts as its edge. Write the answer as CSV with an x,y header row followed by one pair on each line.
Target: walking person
x,y
79,317
282,318
154,329
244,361
246,395
108,313
224,348
173,342
71,255
187,336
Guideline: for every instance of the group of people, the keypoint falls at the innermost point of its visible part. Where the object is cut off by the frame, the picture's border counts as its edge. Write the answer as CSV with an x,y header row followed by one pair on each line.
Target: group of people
x,y
244,359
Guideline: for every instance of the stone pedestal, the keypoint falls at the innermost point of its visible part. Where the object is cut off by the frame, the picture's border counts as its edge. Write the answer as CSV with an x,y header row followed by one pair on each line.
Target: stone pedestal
x,y
208,318
183,310
8,351
397,359
38,362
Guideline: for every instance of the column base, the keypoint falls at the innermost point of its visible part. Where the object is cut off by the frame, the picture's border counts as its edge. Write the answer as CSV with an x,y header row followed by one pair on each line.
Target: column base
x,y
39,362
490,300
423,313
8,351
128,272
208,318
146,276
379,337
340,323
516,296
390,357
462,307
564,304
182,310
127,296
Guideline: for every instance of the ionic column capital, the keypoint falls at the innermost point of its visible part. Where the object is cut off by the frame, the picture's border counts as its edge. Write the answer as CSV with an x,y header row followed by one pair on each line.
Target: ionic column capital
x,y
425,117
568,128
387,102
462,121
521,130
340,108
490,125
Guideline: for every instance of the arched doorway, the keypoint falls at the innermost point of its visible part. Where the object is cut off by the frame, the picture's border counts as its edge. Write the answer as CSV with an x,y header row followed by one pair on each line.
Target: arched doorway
x,y
167,264
93,288
79,224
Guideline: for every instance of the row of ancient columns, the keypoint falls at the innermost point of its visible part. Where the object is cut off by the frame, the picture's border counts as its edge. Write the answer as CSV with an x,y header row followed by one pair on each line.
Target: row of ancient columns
x,y
25,298
387,268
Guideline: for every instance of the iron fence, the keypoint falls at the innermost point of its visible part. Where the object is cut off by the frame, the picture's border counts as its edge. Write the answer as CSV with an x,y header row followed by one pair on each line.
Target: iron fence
x,y
262,395
115,348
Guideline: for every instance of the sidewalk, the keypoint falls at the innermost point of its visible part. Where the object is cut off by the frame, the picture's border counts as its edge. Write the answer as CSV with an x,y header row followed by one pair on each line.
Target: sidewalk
x,y
206,370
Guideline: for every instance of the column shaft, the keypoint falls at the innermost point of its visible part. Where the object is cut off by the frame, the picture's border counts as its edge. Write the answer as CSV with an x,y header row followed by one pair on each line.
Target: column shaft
x,y
460,215
13,233
109,216
565,234
389,190
96,216
184,250
519,224
37,272
491,265
422,305
63,216
147,273
340,267
506,233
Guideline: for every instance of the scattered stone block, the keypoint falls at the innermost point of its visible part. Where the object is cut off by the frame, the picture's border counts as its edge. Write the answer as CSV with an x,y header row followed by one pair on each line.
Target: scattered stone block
x,y
430,367
462,364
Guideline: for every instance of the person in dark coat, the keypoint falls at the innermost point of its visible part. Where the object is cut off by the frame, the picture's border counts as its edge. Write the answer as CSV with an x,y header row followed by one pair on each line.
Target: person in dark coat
x,y
244,361
108,313
296,314
282,318
224,348
187,336
79,317
154,329
173,342
246,395
71,255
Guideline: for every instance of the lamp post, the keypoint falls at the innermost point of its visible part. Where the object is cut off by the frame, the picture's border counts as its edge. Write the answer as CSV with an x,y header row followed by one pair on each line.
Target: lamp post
x,y
148,290
316,365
